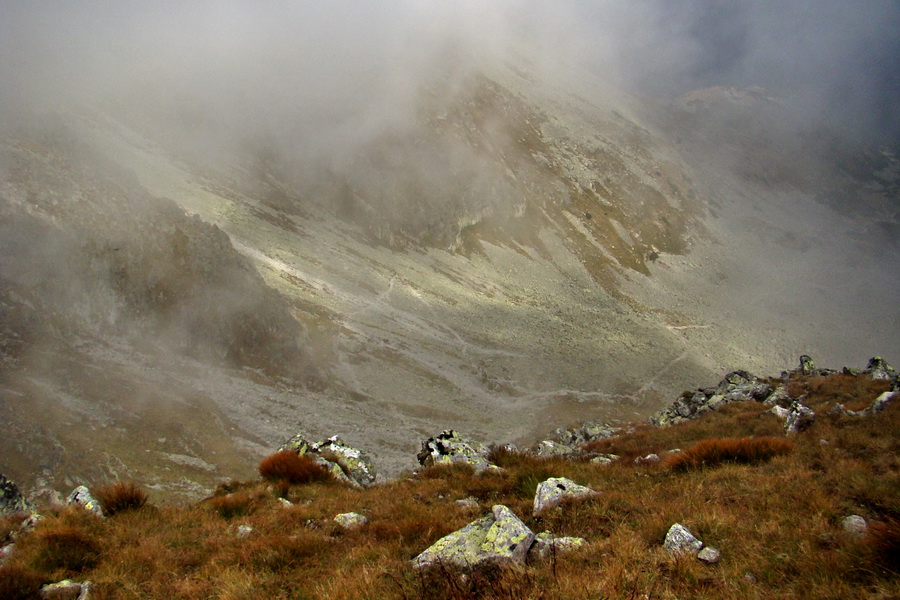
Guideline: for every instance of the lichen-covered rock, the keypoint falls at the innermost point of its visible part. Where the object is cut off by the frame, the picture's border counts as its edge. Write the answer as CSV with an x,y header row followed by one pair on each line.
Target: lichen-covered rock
x,y
346,463
451,448
546,545
548,448
82,497
12,501
780,412
588,431
879,369
709,555
736,386
350,520
66,590
498,538
779,397
553,491
855,525
679,539
799,418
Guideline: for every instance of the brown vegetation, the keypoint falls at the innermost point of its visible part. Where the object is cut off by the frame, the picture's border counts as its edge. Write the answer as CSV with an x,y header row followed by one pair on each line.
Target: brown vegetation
x,y
291,467
716,451
780,521
120,497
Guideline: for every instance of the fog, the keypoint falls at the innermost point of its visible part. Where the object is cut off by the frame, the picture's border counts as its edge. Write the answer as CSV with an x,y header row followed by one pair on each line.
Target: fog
x,y
325,75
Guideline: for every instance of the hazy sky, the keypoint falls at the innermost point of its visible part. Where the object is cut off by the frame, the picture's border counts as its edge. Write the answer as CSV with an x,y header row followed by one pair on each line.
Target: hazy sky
x,y
305,59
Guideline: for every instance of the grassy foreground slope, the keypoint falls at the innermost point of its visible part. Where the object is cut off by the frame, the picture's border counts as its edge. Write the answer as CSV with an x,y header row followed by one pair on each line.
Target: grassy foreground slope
x,y
776,520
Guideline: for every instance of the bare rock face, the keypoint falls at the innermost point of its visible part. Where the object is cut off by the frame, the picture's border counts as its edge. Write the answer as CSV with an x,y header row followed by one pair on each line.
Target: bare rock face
x,y
498,538
553,491
451,448
11,499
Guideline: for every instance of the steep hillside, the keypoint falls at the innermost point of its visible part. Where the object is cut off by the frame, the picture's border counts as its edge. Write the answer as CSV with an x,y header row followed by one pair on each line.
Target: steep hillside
x,y
508,257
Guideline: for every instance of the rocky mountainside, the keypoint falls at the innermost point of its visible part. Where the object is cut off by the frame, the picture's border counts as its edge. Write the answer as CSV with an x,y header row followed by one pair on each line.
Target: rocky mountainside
x,y
513,257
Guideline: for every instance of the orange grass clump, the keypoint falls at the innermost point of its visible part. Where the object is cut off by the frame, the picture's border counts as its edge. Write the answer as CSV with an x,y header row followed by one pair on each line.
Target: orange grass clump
x,y
715,451
289,466
884,539
120,497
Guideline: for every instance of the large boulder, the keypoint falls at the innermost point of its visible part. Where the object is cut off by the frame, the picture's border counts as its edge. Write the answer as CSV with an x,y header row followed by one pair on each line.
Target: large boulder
x,y
346,463
556,489
498,538
12,501
451,448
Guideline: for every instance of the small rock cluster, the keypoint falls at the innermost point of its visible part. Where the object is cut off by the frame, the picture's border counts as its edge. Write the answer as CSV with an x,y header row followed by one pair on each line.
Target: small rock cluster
x,y
679,540
451,448
346,463
501,537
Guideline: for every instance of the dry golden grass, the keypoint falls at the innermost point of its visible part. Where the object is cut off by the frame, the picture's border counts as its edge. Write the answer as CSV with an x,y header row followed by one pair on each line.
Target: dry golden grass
x,y
716,451
120,497
777,523
290,467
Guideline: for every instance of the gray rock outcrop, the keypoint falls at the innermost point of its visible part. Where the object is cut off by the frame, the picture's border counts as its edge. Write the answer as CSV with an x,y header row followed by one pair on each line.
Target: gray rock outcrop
x,y
877,368
12,501
556,489
346,463
709,555
451,448
81,496
66,590
737,386
498,538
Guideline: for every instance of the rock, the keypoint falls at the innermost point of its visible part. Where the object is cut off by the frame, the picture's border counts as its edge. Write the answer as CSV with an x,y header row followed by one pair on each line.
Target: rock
x,y
799,418
546,545
588,431
736,386
350,520
244,531
807,366
285,502
6,551
780,412
881,402
779,397
11,499
646,460
604,459
66,590
553,491
709,555
347,464
879,369
855,525
83,498
679,539
450,448
549,448
467,503
498,538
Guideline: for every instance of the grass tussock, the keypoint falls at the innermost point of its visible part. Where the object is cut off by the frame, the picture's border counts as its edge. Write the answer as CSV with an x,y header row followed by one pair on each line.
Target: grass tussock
x,y
717,451
292,468
120,497
779,522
